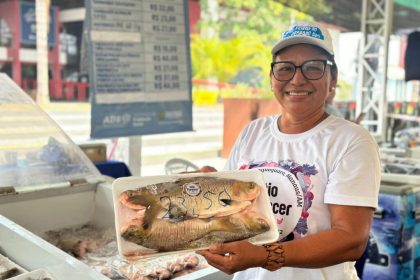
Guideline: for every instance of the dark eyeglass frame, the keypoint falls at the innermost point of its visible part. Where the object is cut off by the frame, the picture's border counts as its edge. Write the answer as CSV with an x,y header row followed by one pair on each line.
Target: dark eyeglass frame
x,y
325,63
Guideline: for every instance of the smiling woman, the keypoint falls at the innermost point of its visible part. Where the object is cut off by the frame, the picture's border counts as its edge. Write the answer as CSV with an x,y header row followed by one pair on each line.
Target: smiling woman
x,y
337,188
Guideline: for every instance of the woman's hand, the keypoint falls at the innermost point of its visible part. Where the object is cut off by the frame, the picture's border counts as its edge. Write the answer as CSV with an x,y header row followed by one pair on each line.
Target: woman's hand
x,y
207,168
235,256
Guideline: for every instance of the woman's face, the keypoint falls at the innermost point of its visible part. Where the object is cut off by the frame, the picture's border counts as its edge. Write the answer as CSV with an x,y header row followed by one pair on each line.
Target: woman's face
x,y
300,96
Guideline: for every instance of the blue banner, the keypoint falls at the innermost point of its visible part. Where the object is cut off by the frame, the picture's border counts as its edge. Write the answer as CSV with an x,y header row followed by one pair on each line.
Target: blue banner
x,y
28,25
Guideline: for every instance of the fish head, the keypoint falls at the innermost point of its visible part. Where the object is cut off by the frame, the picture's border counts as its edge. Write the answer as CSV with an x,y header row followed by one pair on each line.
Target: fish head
x,y
242,191
254,222
125,196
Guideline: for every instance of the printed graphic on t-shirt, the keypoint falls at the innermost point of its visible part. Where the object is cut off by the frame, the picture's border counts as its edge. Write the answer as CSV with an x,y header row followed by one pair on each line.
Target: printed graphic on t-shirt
x,y
289,187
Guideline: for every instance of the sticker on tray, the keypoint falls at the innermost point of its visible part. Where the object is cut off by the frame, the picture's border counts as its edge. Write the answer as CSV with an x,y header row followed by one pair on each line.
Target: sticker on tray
x,y
286,198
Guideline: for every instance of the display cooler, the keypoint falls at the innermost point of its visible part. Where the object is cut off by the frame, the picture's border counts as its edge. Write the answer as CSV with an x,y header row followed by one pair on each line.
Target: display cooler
x,y
50,191
394,243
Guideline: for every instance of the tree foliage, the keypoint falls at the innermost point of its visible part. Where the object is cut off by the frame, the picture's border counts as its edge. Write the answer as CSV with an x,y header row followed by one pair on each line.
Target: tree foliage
x,y
222,59
261,18
242,36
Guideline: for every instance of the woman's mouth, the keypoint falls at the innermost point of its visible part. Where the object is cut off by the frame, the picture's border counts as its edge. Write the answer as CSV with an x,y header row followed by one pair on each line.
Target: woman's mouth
x,y
298,93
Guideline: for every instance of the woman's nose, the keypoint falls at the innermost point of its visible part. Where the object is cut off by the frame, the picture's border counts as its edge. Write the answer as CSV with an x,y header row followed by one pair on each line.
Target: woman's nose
x,y
298,78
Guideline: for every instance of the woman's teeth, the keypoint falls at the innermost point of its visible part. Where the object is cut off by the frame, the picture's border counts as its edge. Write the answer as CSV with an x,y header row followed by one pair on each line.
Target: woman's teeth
x,y
292,93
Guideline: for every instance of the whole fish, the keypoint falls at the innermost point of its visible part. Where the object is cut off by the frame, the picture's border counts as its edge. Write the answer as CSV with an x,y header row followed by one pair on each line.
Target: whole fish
x,y
164,235
201,197
248,224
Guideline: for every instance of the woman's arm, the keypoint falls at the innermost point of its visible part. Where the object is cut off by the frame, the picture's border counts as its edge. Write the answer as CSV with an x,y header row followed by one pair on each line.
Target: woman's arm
x,y
345,241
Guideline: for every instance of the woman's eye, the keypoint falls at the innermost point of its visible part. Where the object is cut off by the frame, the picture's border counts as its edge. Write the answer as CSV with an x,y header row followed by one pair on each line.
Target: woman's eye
x,y
284,69
313,68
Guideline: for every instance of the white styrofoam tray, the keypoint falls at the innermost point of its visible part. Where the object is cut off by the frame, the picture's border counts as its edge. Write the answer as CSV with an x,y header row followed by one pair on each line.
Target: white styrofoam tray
x,y
261,205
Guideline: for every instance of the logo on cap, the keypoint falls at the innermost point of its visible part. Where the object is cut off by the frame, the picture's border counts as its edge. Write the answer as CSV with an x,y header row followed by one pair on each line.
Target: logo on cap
x,y
308,31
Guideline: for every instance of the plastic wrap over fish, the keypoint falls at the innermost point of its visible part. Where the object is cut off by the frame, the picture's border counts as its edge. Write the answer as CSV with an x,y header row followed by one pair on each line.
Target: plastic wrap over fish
x,y
158,215
164,267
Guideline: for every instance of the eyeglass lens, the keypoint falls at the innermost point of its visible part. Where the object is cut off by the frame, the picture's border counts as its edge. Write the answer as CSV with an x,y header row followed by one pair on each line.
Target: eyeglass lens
x,y
311,70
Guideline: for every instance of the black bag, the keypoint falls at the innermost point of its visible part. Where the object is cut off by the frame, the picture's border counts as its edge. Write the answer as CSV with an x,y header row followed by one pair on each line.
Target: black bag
x,y
412,57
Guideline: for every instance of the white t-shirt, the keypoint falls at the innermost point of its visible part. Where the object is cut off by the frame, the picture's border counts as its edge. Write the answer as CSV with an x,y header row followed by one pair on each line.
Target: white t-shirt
x,y
336,162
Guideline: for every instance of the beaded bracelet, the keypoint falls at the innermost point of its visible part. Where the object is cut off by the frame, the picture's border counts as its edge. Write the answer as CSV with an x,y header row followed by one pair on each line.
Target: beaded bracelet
x,y
275,258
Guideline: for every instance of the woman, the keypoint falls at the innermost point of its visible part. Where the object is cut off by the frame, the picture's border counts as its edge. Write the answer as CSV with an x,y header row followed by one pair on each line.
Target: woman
x,y
338,159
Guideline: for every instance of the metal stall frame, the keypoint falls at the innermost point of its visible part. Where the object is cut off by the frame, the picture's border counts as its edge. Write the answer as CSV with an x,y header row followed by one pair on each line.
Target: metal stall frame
x,y
376,27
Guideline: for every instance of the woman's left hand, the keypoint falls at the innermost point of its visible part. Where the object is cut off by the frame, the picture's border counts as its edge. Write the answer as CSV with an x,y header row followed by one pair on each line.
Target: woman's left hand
x,y
235,256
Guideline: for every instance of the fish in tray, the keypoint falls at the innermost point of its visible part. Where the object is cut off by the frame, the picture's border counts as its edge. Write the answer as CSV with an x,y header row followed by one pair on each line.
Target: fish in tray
x,y
164,235
198,197
249,224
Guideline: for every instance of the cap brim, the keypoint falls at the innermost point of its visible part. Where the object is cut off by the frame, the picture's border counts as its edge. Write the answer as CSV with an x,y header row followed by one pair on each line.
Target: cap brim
x,y
298,40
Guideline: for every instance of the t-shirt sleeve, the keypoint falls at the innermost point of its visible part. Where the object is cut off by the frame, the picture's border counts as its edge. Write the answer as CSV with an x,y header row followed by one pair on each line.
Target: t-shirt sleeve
x,y
355,178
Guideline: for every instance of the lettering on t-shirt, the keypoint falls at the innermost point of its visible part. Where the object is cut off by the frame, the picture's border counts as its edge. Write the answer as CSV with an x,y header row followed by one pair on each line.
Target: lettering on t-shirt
x,y
273,191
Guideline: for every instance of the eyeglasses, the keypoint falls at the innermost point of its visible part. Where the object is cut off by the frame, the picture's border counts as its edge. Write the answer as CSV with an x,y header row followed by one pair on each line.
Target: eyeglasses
x,y
312,69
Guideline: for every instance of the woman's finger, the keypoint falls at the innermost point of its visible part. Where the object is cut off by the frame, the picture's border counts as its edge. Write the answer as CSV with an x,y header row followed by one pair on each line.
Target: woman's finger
x,y
221,262
219,248
207,168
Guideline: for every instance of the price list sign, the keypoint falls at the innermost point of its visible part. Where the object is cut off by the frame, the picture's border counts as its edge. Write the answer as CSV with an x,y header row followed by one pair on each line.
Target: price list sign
x,y
139,67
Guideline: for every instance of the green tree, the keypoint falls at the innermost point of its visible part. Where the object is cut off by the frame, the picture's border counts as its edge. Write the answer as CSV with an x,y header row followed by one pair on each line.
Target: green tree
x,y
242,36
262,18
223,59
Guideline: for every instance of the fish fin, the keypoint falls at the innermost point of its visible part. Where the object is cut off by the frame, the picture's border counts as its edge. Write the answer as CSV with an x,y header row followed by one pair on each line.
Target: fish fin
x,y
142,199
227,224
235,207
196,179
205,216
182,181
151,213
153,207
